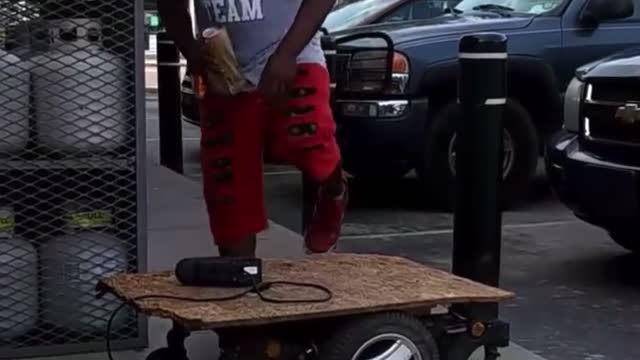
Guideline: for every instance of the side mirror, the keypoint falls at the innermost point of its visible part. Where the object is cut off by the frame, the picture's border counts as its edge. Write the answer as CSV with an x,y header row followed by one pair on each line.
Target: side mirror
x,y
597,11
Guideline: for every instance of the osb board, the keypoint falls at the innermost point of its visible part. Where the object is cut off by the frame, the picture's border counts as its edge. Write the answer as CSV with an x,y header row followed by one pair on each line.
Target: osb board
x,y
360,284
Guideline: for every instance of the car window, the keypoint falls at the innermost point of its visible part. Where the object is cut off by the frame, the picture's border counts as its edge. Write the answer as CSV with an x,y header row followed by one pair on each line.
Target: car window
x,y
633,18
353,13
636,11
532,7
417,10
402,13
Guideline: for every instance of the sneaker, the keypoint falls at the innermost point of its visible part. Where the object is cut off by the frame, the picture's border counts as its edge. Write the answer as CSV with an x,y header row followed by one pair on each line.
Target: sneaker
x,y
321,236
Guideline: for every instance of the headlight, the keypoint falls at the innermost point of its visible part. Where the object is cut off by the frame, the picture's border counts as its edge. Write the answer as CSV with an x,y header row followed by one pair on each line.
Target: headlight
x,y
368,69
572,101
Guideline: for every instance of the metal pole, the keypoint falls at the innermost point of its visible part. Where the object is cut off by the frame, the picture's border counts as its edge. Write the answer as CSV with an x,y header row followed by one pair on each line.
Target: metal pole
x,y
170,122
482,93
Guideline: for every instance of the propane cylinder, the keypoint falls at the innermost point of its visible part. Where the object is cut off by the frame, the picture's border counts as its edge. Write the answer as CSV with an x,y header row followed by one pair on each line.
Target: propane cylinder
x,y
18,281
14,104
79,91
73,263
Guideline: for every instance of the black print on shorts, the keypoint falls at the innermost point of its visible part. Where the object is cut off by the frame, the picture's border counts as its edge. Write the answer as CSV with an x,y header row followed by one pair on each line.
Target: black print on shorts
x,y
303,129
303,110
301,92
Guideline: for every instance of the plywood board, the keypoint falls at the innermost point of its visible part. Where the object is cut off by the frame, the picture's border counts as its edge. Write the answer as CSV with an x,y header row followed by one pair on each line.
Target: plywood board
x,y
360,284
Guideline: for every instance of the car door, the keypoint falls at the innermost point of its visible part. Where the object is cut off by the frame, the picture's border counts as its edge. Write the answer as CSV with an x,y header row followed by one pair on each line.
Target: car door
x,y
583,44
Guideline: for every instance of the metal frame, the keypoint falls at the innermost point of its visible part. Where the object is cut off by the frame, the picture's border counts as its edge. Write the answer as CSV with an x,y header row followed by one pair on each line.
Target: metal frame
x,y
141,165
136,163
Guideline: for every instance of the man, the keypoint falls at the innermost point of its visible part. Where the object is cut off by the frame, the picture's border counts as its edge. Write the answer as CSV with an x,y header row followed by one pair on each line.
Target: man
x,y
277,44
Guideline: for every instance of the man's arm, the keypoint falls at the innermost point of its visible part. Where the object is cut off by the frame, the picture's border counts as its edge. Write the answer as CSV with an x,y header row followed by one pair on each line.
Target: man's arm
x,y
308,21
177,20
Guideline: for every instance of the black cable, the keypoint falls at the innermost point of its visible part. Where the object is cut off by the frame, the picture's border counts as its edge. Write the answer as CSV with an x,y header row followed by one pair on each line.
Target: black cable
x,y
324,289
257,288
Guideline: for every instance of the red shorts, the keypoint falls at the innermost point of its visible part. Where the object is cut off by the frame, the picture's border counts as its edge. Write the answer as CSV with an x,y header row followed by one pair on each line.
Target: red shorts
x,y
236,132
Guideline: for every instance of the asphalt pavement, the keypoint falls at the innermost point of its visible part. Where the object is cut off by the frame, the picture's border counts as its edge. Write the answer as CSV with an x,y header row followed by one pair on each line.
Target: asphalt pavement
x,y
578,294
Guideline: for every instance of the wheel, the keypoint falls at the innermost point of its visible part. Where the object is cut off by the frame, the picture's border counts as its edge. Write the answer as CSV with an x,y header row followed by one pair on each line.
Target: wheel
x,y
628,239
188,102
165,354
436,170
381,336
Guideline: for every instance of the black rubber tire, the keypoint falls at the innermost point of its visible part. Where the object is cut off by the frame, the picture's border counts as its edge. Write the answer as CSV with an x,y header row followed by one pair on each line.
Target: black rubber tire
x,y
628,239
345,342
188,101
434,171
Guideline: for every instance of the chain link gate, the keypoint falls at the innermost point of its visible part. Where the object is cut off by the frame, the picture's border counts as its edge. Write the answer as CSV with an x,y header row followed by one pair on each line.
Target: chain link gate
x,y
71,172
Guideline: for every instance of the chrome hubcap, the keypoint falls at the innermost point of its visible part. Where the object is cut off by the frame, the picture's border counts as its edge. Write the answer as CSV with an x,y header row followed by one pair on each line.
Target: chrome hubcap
x,y
388,347
507,161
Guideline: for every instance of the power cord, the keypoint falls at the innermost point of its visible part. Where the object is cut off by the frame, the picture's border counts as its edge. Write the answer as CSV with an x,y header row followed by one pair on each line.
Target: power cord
x,y
256,288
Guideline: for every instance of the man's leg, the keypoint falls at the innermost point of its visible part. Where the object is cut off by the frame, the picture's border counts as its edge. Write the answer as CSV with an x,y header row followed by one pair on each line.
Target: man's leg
x,y
304,135
231,160
245,247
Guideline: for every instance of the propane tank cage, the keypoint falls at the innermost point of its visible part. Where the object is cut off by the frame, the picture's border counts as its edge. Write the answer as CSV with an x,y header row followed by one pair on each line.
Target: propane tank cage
x,y
72,172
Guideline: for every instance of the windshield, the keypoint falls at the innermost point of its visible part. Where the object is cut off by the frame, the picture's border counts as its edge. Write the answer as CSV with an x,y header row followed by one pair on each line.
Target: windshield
x,y
533,7
353,13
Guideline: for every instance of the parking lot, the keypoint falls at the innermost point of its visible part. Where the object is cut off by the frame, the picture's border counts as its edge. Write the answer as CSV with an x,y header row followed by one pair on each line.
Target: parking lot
x,y
577,291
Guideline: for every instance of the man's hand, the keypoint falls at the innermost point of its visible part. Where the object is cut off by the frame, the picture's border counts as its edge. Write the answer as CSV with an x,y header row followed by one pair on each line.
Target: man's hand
x,y
278,76
280,72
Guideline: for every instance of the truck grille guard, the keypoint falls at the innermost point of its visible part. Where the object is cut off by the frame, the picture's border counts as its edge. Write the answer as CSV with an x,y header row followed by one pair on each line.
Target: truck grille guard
x,y
345,67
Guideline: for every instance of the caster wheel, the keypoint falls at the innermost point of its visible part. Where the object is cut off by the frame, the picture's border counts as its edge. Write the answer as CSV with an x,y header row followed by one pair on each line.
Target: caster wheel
x,y
166,354
381,336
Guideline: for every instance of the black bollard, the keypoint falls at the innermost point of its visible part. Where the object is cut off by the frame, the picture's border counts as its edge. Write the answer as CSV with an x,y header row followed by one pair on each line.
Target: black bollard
x,y
170,121
482,93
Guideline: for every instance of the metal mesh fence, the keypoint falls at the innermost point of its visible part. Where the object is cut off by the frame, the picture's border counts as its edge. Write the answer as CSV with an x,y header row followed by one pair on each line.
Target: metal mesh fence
x,y
68,173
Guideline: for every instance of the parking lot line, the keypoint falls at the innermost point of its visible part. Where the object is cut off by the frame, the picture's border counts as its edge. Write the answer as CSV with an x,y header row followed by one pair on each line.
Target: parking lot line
x,y
450,231
283,172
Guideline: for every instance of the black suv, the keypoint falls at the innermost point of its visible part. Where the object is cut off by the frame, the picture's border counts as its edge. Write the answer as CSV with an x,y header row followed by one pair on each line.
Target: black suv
x,y
594,161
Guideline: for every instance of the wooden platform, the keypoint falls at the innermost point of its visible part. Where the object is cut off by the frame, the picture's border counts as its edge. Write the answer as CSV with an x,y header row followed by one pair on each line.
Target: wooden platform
x,y
360,284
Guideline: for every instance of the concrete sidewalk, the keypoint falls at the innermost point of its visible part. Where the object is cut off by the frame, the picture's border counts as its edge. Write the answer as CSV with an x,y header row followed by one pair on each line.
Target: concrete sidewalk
x,y
178,228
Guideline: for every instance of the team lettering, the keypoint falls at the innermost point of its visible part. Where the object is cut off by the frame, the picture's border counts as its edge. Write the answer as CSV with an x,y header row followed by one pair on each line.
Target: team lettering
x,y
235,11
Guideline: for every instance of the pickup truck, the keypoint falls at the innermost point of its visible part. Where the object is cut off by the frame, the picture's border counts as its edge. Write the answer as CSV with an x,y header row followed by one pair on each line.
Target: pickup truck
x,y
593,162
395,85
